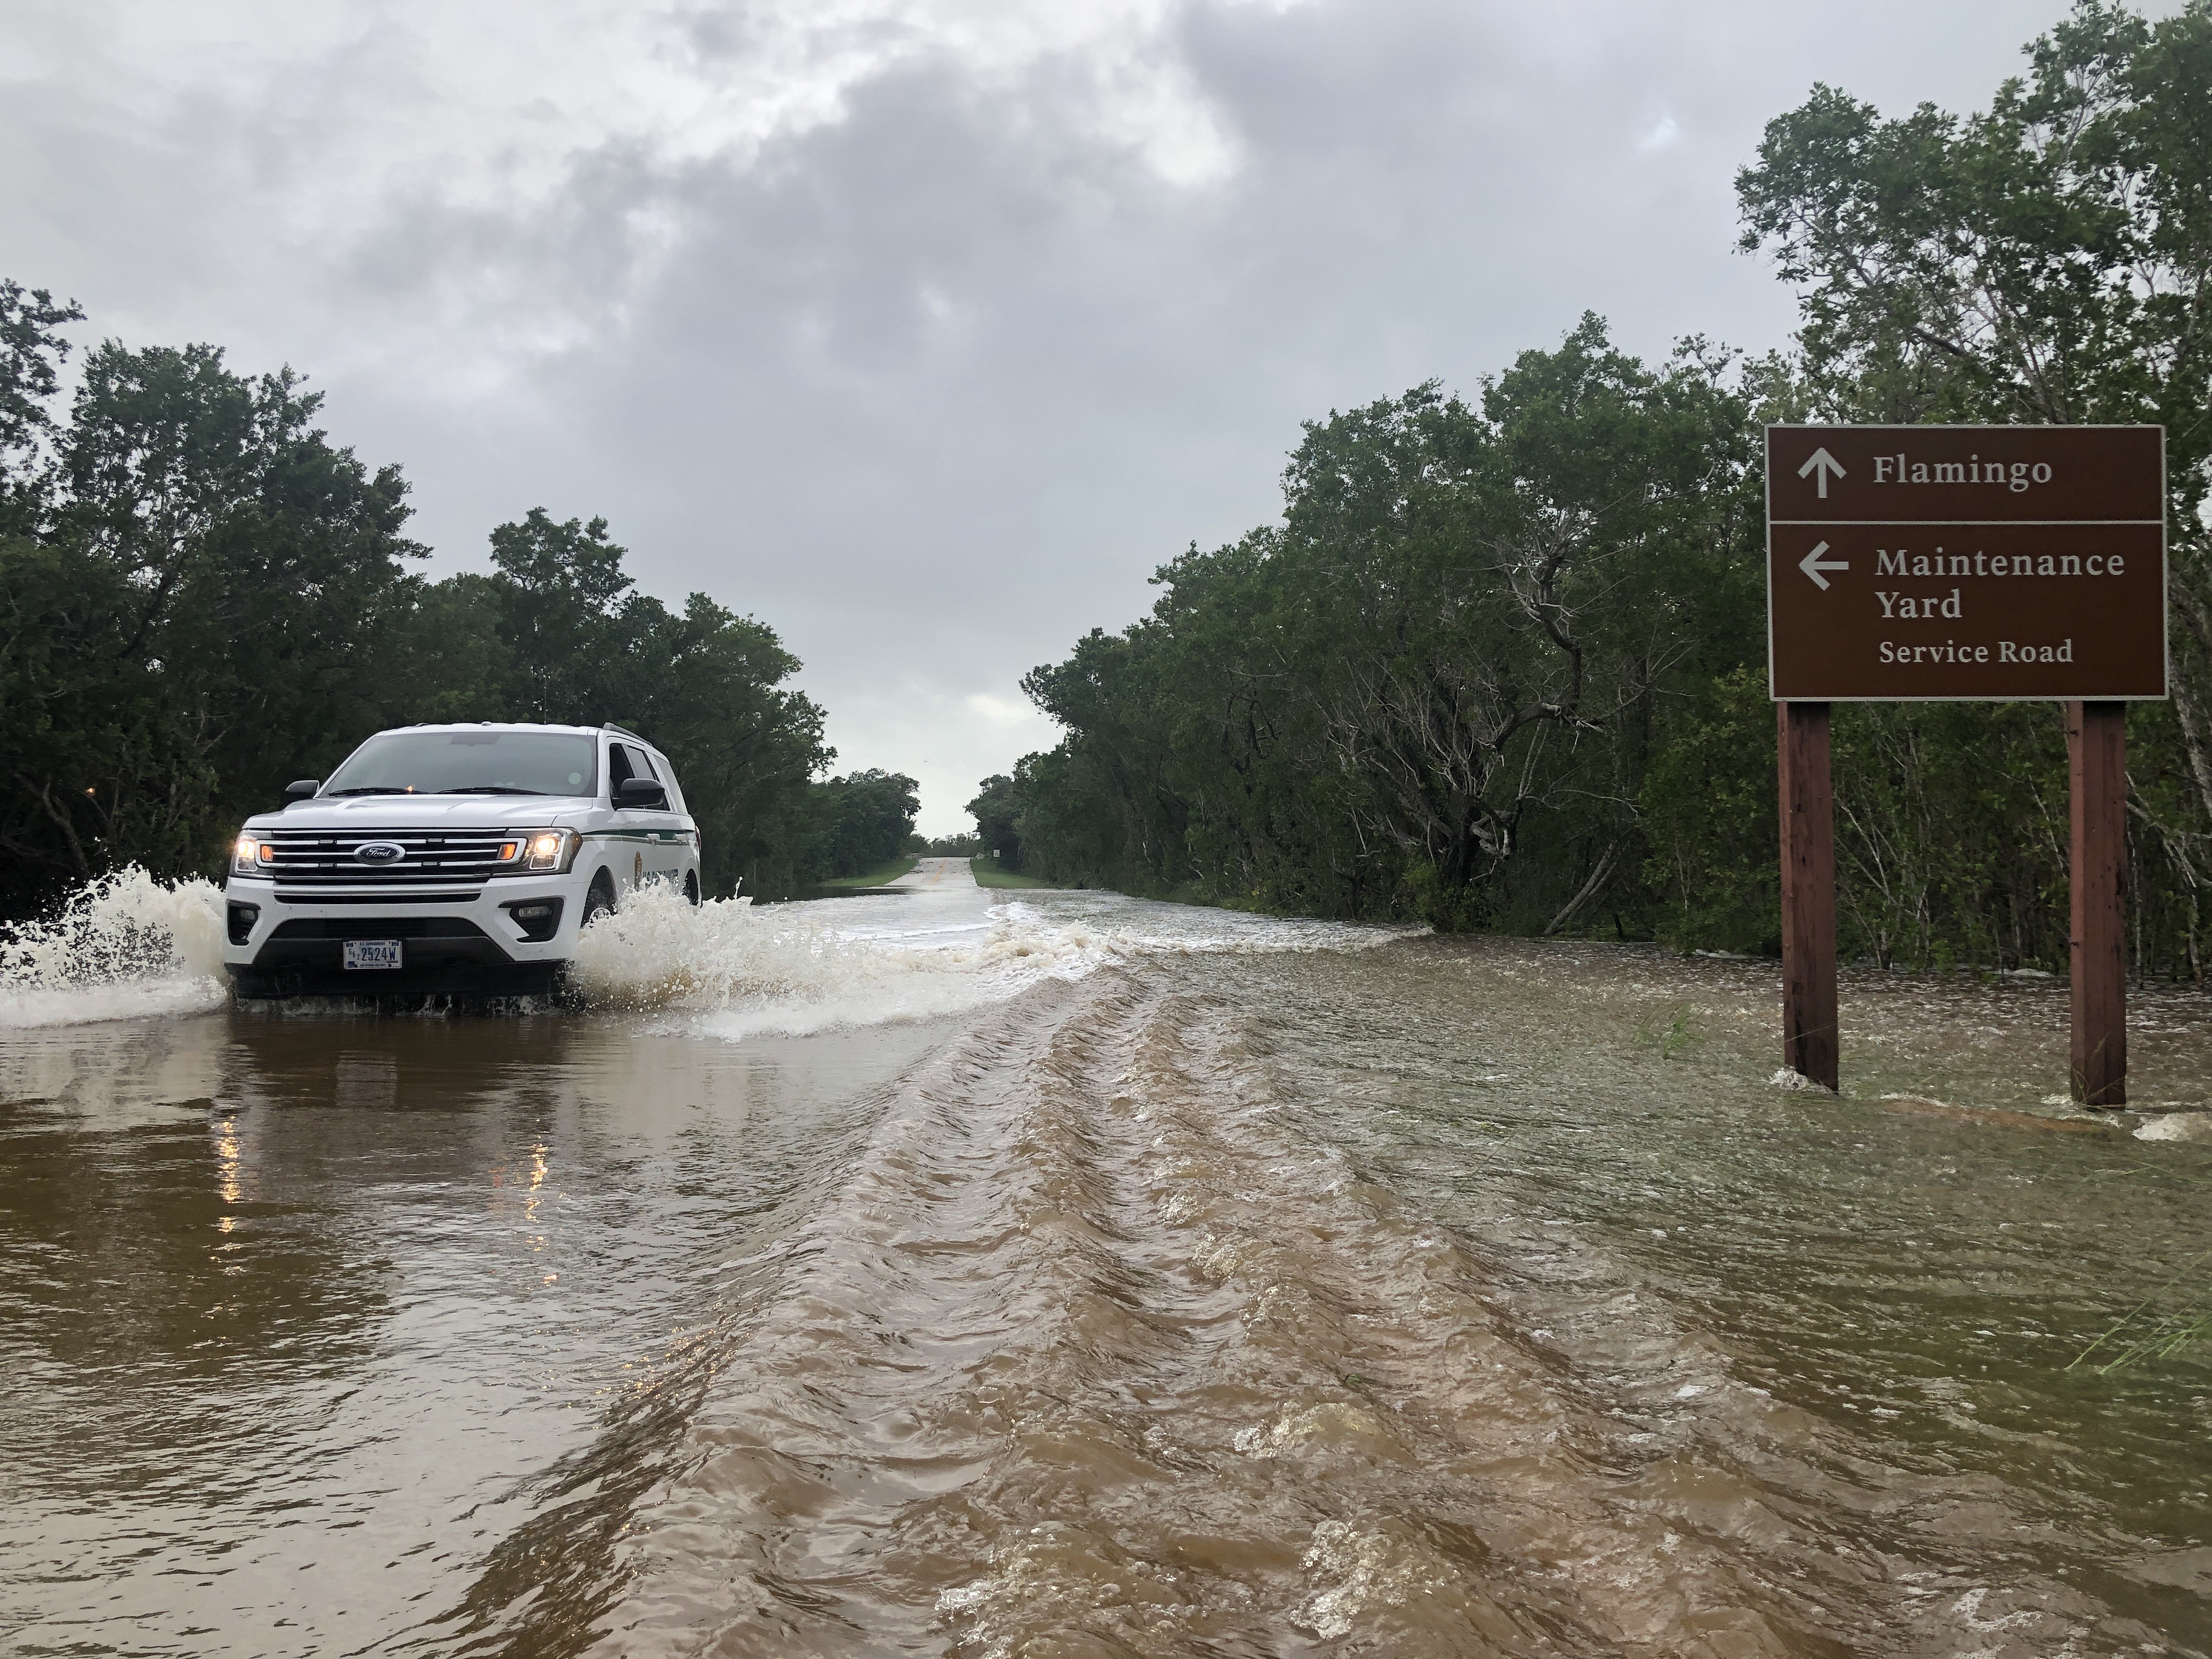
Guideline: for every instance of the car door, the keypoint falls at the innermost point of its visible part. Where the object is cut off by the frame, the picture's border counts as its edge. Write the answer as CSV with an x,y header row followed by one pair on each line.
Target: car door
x,y
626,827
652,837
683,843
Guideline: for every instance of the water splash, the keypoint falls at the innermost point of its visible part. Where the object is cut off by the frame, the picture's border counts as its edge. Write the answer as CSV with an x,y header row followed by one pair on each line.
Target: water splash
x,y
739,969
121,947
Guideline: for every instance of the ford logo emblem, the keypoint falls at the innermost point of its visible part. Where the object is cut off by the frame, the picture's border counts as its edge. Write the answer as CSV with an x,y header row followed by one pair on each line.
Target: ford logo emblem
x,y
380,852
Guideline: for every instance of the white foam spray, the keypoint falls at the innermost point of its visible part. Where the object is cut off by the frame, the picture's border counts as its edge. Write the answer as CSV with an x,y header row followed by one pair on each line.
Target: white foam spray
x,y
122,947
732,969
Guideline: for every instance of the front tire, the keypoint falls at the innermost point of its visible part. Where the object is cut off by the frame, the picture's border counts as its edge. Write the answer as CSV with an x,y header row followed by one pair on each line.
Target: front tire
x,y
691,887
600,902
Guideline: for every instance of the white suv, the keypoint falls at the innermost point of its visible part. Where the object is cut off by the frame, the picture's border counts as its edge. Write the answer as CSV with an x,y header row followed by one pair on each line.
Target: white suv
x,y
453,858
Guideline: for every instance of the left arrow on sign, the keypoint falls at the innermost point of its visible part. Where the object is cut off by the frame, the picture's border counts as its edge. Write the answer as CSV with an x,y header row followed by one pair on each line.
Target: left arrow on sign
x,y
1812,564
1828,466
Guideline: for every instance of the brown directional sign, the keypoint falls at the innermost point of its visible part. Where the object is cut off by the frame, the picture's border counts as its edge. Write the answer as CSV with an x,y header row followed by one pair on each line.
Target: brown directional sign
x,y
1998,562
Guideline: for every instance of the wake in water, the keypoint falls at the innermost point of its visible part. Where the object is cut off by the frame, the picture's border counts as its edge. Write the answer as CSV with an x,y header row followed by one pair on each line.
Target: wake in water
x,y
123,947
1103,1350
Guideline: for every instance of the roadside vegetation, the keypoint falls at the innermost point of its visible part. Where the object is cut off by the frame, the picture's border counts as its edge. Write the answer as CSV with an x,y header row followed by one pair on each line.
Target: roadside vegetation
x,y
1501,663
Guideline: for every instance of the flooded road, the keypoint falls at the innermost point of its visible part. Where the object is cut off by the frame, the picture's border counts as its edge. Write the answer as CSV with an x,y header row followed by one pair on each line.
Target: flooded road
x,y
1038,1273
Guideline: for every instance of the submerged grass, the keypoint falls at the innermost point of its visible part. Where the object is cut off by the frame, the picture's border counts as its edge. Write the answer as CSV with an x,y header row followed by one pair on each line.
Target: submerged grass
x,y
883,875
1671,1038
2155,1337
988,874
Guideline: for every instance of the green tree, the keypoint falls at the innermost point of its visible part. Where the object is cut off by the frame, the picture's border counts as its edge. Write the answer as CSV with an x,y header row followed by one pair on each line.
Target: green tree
x,y
1709,801
863,819
561,588
745,745
101,766
30,355
195,618
997,810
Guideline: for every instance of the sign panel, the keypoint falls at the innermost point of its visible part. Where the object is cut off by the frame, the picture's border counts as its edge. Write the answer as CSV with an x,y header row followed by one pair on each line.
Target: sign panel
x,y
1992,562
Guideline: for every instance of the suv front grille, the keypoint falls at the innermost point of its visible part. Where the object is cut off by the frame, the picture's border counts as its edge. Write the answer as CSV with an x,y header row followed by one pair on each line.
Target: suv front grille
x,y
435,865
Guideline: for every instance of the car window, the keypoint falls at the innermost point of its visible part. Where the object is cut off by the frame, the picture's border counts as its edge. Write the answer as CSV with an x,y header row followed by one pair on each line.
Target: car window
x,y
467,760
641,763
668,777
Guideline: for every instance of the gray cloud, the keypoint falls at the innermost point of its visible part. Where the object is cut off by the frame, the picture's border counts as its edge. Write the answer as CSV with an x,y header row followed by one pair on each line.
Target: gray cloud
x,y
923,335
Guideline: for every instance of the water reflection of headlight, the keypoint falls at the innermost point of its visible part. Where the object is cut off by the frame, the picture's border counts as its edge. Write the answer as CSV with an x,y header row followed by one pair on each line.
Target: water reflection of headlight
x,y
228,1187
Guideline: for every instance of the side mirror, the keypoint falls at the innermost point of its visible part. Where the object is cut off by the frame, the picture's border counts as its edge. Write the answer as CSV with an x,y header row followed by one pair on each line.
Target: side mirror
x,y
642,792
301,789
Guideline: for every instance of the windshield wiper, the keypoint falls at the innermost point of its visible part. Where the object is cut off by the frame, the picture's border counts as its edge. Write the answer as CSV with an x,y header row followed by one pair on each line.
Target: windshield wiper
x,y
489,789
372,789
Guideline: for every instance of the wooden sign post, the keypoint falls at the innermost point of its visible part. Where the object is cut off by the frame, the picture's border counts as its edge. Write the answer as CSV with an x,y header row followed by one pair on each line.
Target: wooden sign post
x,y
2097,763
1993,564
1810,1037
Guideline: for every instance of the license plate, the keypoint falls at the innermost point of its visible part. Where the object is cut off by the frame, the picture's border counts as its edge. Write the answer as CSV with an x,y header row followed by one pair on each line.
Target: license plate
x,y
372,953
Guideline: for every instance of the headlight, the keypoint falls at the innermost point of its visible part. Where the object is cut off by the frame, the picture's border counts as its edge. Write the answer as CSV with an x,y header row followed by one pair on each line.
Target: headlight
x,y
538,849
252,856
549,849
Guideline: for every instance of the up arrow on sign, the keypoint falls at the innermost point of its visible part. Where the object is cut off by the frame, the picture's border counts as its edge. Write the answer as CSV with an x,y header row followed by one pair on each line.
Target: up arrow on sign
x,y
1828,465
1812,564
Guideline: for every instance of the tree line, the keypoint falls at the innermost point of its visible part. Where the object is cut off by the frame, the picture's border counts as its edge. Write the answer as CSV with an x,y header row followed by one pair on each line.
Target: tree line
x,y
1501,663
202,598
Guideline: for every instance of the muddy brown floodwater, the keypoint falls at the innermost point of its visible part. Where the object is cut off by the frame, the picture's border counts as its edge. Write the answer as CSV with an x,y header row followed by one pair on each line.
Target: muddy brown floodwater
x,y
989,1273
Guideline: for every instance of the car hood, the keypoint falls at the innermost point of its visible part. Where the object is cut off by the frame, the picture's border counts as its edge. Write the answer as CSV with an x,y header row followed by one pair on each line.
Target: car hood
x,y
357,814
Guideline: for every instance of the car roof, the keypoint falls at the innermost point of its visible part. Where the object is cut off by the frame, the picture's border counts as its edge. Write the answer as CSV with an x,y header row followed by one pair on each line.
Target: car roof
x,y
508,726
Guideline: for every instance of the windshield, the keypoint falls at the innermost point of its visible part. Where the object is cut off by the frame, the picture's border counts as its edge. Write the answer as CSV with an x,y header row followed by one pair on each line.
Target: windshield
x,y
488,762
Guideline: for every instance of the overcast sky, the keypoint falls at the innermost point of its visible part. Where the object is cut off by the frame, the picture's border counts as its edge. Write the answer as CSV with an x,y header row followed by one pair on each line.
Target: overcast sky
x,y
922,329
